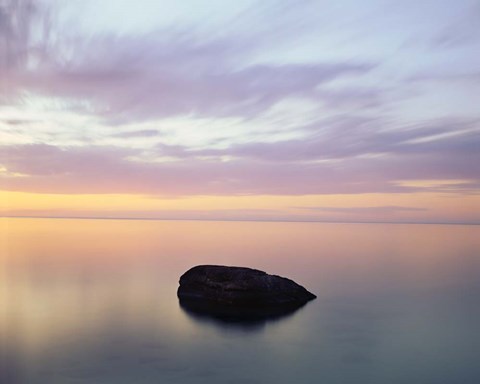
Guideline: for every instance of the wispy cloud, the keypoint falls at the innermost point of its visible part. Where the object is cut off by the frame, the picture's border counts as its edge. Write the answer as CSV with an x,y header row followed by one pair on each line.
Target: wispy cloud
x,y
361,210
377,162
137,133
286,98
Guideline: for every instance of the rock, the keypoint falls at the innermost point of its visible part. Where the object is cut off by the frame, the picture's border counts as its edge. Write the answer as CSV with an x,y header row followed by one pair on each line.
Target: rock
x,y
211,287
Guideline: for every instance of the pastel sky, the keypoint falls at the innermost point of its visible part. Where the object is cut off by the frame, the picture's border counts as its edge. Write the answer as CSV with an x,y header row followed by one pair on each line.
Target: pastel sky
x,y
338,110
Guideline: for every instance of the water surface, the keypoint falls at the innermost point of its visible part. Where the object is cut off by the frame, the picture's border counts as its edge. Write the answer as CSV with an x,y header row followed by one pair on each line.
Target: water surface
x,y
94,301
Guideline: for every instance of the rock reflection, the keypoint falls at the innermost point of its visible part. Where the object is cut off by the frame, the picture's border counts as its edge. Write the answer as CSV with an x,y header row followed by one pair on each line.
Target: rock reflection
x,y
247,319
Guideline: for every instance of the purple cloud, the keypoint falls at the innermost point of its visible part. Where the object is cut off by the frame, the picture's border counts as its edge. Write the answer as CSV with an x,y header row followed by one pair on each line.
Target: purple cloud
x,y
362,210
345,138
143,85
464,31
137,133
180,72
285,168
162,74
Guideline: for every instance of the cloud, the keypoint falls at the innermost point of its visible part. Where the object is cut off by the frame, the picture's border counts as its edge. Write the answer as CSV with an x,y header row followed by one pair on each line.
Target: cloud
x,y
137,133
372,161
451,144
169,72
107,170
462,32
352,140
17,122
141,83
362,210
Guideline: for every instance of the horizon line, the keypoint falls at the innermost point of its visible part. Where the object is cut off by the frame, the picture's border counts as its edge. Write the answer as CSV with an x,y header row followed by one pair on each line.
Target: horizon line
x,y
235,220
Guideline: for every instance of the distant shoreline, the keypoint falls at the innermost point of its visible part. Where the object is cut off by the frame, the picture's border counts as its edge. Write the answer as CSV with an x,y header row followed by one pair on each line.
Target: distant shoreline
x,y
234,220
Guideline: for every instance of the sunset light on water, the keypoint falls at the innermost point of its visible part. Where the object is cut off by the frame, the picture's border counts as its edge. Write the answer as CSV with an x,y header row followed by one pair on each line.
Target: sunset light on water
x,y
105,309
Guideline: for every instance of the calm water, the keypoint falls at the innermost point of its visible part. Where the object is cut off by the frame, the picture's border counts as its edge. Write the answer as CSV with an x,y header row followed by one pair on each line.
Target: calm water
x,y
94,301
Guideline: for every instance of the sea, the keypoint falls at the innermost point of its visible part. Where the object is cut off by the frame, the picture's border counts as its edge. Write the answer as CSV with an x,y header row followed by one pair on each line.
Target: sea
x,y
93,301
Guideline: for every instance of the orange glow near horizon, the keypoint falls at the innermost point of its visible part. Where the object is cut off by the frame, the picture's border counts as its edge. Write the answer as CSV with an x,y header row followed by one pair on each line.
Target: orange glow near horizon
x,y
390,207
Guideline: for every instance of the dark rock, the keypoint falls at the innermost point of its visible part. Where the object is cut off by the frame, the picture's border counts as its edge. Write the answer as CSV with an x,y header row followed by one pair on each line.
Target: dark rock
x,y
224,289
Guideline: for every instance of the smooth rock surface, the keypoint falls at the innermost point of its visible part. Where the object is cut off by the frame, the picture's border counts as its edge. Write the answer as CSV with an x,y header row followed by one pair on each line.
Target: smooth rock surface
x,y
239,287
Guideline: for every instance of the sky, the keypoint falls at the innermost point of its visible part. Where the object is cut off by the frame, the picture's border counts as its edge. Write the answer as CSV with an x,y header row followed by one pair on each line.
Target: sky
x,y
274,110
